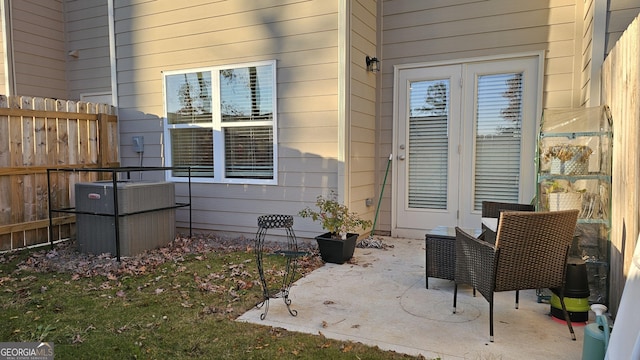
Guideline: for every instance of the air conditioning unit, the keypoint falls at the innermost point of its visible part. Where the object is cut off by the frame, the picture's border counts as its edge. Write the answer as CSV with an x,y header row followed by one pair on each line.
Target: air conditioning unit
x,y
146,216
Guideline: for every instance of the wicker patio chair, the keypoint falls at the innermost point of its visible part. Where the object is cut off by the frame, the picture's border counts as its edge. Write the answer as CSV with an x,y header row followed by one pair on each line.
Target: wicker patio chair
x,y
492,209
530,252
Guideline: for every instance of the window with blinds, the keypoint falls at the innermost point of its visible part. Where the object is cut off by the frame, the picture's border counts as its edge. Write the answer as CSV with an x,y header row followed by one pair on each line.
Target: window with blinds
x,y
220,121
428,144
498,138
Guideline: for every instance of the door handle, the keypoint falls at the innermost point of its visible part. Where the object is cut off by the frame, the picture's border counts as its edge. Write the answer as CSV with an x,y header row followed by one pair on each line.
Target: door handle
x,y
401,157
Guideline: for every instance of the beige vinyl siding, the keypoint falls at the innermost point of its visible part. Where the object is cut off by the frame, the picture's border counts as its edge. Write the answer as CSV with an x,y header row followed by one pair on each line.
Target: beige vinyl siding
x,y
588,42
448,30
152,37
87,28
362,107
39,48
621,14
454,30
596,19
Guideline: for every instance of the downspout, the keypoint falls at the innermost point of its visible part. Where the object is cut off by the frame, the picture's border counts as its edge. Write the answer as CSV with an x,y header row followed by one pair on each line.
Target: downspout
x,y
112,55
597,51
344,123
378,122
7,44
114,69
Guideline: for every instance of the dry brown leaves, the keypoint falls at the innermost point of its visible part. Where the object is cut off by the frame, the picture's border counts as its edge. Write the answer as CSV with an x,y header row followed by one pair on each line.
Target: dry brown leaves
x,y
64,258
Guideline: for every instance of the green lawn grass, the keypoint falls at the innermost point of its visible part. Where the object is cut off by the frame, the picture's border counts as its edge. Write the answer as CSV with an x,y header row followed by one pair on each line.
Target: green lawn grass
x,y
181,309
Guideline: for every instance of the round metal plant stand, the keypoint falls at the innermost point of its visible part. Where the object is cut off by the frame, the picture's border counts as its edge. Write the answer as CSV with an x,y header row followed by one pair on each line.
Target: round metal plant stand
x,y
265,223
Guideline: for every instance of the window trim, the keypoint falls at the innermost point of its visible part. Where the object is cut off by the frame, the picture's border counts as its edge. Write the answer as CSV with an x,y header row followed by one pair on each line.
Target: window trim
x,y
218,127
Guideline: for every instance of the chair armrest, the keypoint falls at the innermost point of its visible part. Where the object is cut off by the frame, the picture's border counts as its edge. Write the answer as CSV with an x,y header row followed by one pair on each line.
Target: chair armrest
x,y
475,262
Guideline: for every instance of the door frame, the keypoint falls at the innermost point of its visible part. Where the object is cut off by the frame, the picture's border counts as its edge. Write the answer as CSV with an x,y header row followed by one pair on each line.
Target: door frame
x,y
407,216
527,185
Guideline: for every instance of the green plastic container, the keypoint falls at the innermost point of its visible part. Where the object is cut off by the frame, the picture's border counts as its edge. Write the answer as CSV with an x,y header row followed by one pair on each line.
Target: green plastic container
x,y
572,304
578,308
596,338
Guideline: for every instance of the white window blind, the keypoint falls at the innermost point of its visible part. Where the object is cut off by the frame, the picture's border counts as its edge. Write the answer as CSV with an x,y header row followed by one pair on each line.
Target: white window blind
x,y
248,152
193,147
498,138
428,144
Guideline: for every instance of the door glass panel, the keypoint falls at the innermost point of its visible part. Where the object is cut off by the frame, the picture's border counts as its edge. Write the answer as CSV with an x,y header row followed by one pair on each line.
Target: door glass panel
x,y
498,138
428,144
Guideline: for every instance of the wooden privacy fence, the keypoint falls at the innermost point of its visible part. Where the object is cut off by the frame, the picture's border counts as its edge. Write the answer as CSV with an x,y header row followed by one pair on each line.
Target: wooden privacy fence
x,y
37,134
621,91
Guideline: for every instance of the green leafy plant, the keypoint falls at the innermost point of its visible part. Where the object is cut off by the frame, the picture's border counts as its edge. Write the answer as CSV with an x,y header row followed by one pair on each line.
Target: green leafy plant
x,y
559,186
334,216
555,186
41,333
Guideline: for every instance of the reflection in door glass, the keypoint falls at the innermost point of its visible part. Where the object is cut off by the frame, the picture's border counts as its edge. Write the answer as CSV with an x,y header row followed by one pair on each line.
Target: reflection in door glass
x,y
428,149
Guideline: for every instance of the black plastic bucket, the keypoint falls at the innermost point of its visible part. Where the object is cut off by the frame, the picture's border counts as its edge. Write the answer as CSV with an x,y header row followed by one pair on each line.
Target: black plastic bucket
x,y
577,283
576,293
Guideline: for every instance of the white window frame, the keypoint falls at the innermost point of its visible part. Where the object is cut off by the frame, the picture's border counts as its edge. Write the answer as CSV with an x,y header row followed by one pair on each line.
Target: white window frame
x,y
218,127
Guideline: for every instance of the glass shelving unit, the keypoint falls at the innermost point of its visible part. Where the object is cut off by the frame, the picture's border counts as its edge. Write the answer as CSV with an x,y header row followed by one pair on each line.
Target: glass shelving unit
x,y
574,172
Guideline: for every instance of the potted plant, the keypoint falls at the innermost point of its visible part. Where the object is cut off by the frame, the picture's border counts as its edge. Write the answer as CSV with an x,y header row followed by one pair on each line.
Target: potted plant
x,y
568,159
338,243
561,195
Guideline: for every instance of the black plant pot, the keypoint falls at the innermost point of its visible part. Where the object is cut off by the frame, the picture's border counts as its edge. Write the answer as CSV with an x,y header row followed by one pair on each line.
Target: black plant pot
x,y
336,251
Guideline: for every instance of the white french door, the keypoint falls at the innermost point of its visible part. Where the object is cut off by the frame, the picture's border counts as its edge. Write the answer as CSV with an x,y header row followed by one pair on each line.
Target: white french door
x,y
463,133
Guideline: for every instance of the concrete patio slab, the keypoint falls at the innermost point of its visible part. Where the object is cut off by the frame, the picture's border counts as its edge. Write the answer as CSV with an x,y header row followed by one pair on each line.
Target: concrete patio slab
x,y
380,299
